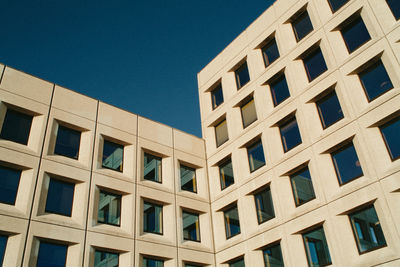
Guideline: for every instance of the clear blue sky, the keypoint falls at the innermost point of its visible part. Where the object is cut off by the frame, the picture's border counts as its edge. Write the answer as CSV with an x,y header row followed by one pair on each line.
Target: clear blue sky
x,y
142,56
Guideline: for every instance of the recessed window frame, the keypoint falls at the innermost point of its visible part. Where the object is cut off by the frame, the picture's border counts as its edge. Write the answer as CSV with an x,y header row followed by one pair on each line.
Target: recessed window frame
x,y
198,229
331,92
308,231
310,53
241,67
70,130
233,262
213,92
158,158
297,18
252,146
16,171
60,180
264,190
226,161
350,22
333,8
228,232
119,208
275,245
246,106
121,168
270,42
385,139
56,244
14,113
150,258
396,14
278,78
220,123
194,178
161,216
105,252
4,240
285,123
295,173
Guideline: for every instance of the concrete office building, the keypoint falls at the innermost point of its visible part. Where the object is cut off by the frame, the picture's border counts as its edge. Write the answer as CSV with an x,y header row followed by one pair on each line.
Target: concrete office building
x,y
299,165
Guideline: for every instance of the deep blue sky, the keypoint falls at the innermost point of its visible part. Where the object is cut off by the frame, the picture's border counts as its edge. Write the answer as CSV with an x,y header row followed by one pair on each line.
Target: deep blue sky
x,y
142,56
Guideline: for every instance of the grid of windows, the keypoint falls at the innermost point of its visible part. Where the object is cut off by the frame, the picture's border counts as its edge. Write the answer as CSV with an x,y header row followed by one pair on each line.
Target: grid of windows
x,y
152,167
248,111
105,259
67,142
16,127
152,218
329,109
355,34
9,183
302,187
232,224
395,7
290,134
221,133
113,156
51,255
109,208
242,75
60,196
226,173
217,96
279,89
316,248
314,64
273,256
264,205
337,4
191,226
270,52
302,25
347,165
188,179
255,154
390,132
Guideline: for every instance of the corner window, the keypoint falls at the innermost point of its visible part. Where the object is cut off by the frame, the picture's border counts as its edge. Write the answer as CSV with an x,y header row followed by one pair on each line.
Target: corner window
x,y
226,173
191,226
149,262
105,259
390,132
237,263
16,127
221,133
264,205
347,165
302,25
337,4
113,156
355,34
270,52
290,134
279,89
67,142
255,154
60,197
217,96
51,254
188,179
394,6
109,208
302,187
329,109
375,80
232,225
242,75
367,229
273,256
316,248
249,114
3,244
152,218
9,184
152,168
314,64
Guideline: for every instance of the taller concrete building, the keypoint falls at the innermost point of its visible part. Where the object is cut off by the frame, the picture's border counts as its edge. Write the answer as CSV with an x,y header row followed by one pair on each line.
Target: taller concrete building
x,y
298,165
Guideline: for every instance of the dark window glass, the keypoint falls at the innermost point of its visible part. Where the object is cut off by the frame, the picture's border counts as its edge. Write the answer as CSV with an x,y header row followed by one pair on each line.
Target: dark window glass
x,y
191,226
232,225
113,156
355,34
109,208
51,255
242,76
221,133
3,244
152,168
375,80
67,142
270,52
188,179
9,182
347,165
105,259
226,174
336,4
249,114
149,262
395,7
302,187
60,197
152,218
302,25
217,96
314,63
16,127
390,132
237,263
192,265
367,229
273,256
279,90
290,134
255,154
329,109
264,205
317,248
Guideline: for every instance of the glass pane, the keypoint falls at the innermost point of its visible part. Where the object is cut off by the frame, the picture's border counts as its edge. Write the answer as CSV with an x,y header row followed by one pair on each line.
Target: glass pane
x,y
3,244
60,197
237,263
314,64
255,154
302,26
367,229
242,75
249,114
329,110
302,187
316,248
188,179
336,4
191,226
51,255
221,133
16,127
279,90
390,132
270,52
9,182
346,163
264,206
290,135
217,96
355,34
192,265
105,259
113,156
67,142
273,256
395,7
152,219
148,262
109,208
232,225
226,174
375,80
152,168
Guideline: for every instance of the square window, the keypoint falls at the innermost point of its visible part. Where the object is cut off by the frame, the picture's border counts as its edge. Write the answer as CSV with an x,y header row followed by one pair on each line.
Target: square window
x,y
290,134
188,179
347,165
390,132
60,196
249,114
314,63
242,75
367,229
273,256
67,142
317,248
221,133
113,156
255,153
232,225
152,168
237,263
51,255
9,183
150,262
279,89
3,245
375,80
355,34
109,208
394,5
302,187
270,52
152,218
226,173
191,226
336,4
329,109
264,205
302,25
105,259
16,127
217,96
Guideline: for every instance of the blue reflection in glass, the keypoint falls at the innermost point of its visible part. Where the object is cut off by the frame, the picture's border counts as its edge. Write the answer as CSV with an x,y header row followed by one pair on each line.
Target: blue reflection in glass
x,y
279,90
16,127
355,34
390,132
346,163
329,110
9,182
67,142
60,197
375,80
314,64
51,255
